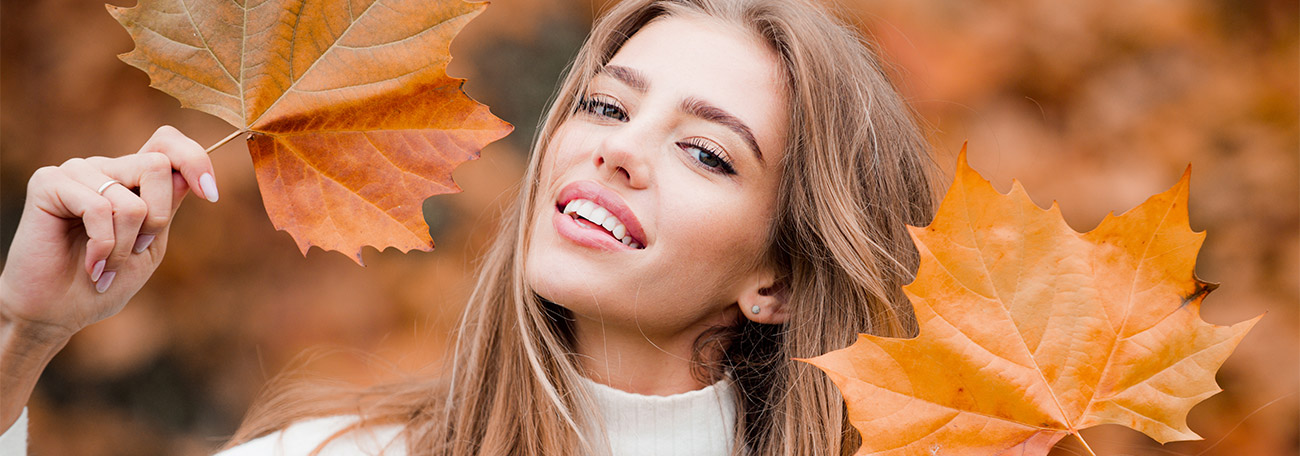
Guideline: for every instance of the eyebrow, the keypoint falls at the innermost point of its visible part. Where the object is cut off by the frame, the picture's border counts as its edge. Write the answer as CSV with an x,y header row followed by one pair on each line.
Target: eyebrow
x,y
691,105
702,109
631,77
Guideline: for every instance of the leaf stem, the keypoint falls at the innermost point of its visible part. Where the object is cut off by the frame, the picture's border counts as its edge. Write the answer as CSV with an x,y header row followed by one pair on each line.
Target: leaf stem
x,y
224,141
1085,443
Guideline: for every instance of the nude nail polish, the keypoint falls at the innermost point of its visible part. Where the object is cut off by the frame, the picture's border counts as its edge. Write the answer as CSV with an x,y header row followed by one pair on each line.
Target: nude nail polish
x,y
105,281
96,271
209,187
142,242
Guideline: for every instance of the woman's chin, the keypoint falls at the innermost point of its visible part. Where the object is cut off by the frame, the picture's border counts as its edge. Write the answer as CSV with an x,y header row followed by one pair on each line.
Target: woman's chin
x,y
558,277
565,290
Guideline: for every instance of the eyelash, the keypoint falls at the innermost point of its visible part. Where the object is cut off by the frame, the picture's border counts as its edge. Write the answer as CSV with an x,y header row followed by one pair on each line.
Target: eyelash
x,y
724,164
590,105
601,107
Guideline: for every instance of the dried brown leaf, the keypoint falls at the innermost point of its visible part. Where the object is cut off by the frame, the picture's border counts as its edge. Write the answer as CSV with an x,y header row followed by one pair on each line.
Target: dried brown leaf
x,y
354,120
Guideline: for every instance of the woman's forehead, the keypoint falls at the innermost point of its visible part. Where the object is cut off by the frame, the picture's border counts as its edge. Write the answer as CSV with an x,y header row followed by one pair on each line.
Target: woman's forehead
x,y
701,48
692,56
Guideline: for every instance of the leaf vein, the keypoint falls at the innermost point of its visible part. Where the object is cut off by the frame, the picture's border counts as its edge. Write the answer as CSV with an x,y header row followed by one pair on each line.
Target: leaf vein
x,y
955,409
206,46
1128,307
1007,311
294,83
305,159
381,81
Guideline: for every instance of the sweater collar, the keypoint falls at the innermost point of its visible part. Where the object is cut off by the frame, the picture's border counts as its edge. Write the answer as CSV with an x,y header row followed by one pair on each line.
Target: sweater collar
x,y
696,423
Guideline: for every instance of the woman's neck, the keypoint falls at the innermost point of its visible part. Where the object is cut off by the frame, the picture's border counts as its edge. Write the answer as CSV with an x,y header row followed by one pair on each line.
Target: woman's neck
x,y
635,362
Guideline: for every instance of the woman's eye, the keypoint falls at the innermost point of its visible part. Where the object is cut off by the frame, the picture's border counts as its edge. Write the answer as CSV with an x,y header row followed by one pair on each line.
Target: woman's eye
x,y
602,108
707,158
714,161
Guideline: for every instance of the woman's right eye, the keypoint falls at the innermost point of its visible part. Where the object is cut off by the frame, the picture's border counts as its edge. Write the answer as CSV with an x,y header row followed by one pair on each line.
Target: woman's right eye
x,y
603,107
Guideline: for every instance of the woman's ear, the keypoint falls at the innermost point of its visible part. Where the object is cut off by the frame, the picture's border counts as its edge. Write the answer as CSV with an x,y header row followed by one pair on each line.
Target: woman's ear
x,y
764,299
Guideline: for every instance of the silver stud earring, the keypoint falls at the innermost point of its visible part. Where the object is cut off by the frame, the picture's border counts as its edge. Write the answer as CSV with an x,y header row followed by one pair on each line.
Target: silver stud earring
x,y
756,310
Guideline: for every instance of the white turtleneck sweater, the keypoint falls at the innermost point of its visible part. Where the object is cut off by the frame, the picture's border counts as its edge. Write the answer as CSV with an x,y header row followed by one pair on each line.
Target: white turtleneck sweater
x,y
695,423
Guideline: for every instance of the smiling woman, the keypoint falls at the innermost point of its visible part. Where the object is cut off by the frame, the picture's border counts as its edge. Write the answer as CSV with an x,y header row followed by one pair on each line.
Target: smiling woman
x,y
719,187
653,144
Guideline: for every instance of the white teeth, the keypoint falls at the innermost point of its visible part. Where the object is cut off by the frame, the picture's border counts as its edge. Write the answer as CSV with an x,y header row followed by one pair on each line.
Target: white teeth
x,y
600,216
610,223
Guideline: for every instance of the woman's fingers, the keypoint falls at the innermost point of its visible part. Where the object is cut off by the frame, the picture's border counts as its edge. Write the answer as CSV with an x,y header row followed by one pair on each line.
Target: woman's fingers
x,y
142,190
151,172
129,212
124,203
180,188
76,200
187,157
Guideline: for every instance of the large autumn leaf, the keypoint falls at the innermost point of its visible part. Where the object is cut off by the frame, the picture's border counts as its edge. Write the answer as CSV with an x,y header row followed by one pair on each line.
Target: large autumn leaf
x,y
353,119
1030,331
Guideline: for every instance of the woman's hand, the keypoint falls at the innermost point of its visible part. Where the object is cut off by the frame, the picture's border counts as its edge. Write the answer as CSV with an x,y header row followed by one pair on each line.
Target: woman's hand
x,y
92,231
85,245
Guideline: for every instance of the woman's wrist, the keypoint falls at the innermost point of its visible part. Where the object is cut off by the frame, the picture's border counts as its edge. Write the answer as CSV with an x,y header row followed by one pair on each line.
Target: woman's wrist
x,y
26,334
27,339
25,349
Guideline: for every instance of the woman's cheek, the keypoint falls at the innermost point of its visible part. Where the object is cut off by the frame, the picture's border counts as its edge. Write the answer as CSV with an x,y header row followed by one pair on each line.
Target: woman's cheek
x,y
728,230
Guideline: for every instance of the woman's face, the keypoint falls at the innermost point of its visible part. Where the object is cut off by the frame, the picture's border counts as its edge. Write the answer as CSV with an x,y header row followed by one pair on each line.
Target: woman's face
x,y
675,150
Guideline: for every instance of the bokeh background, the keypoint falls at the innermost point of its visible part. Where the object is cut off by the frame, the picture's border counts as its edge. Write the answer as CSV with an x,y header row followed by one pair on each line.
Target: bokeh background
x,y
1094,104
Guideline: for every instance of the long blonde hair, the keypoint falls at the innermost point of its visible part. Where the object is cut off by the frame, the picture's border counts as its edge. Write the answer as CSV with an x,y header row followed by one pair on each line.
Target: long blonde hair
x,y
855,173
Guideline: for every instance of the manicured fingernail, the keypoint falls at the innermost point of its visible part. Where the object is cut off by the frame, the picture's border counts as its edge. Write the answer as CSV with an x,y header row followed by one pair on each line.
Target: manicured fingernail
x,y
96,271
142,242
209,187
105,281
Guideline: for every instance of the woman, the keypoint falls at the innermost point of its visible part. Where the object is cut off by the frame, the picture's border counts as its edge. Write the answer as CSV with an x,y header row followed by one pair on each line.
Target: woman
x,y
719,187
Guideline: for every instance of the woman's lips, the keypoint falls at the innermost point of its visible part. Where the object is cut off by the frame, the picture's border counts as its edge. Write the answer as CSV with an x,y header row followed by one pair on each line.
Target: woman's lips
x,y
585,232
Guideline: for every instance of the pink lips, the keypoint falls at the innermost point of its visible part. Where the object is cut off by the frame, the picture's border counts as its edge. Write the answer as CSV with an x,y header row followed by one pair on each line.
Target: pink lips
x,y
583,232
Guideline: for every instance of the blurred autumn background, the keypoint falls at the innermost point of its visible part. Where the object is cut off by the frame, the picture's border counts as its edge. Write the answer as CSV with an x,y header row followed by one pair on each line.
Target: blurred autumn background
x,y
1093,104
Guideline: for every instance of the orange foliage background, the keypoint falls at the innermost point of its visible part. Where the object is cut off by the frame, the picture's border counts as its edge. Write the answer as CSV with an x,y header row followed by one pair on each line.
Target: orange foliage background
x,y
1094,104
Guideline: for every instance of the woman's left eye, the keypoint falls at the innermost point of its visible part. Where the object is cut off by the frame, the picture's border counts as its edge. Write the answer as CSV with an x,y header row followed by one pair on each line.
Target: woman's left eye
x,y
708,157
601,107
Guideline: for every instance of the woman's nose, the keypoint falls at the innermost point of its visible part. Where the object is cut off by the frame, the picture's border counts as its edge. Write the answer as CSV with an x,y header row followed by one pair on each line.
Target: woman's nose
x,y
623,157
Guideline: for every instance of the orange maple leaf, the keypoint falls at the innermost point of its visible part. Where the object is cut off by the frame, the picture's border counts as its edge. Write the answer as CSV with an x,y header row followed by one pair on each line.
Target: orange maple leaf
x,y
354,120
1030,331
